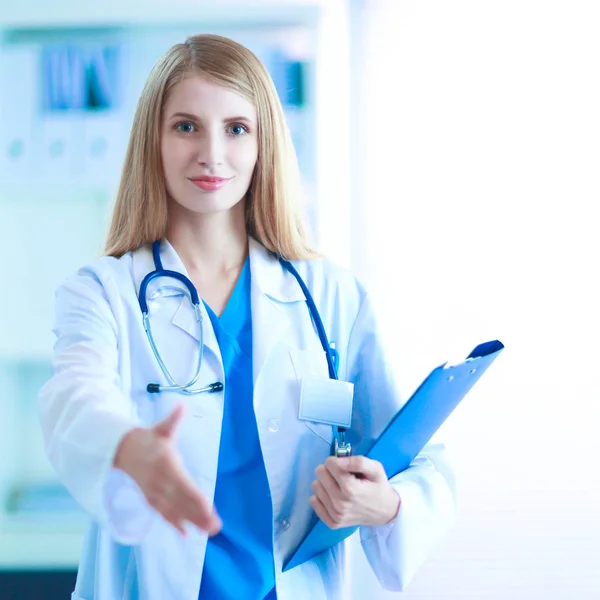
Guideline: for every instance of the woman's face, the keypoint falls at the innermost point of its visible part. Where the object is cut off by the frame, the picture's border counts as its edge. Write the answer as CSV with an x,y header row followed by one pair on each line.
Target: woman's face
x,y
209,145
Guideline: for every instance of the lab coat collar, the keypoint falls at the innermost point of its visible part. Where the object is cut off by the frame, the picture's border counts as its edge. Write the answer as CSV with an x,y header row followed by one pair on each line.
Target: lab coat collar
x,y
267,275
143,263
271,278
266,271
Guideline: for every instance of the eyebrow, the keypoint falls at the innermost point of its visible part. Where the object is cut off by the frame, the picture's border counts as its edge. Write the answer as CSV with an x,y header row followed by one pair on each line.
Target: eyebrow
x,y
192,117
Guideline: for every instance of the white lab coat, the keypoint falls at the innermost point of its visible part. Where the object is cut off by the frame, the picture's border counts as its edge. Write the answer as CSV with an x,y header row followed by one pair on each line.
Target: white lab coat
x,y
102,364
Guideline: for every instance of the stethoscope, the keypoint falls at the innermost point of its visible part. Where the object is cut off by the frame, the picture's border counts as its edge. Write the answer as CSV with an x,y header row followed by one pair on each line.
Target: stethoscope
x,y
339,446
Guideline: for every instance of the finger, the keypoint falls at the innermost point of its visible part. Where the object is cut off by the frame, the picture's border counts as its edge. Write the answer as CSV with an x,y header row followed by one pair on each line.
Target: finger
x,y
183,501
342,477
197,509
165,503
179,515
167,427
329,482
322,513
176,522
179,525
368,468
215,523
203,516
326,500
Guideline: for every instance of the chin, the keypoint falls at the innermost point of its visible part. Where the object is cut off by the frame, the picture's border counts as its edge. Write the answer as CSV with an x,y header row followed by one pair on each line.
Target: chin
x,y
208,204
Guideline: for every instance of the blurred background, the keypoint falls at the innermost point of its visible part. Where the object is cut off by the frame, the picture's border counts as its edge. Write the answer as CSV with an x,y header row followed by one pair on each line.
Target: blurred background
x,y
450,154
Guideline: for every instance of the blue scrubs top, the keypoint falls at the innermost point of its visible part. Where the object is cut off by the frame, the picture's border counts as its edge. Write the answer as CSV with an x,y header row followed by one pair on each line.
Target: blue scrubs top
x,y
239,560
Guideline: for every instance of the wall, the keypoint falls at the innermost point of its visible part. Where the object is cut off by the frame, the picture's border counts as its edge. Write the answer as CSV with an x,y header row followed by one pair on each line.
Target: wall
x,y
480,190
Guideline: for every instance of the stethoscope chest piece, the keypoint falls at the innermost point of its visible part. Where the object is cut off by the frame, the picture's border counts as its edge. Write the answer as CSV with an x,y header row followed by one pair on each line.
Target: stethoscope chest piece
x,y
340,447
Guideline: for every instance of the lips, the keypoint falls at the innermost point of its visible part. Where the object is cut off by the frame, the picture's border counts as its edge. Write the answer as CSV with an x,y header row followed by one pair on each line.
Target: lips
x,y
210,183
209,178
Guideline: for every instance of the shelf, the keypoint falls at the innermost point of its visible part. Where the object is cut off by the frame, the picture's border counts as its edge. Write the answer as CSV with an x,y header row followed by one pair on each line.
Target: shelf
x,y
41,544
28,14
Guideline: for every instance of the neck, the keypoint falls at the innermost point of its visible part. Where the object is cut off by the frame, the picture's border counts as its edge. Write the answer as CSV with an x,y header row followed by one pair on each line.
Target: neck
x,y
214,243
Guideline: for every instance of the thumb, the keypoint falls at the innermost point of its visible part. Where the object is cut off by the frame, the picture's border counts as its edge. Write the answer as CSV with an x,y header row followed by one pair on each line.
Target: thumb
x,y
166,427
362,467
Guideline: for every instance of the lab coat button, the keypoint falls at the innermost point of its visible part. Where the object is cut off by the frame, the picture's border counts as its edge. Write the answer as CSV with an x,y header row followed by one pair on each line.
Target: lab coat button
x,y
273,425
285,524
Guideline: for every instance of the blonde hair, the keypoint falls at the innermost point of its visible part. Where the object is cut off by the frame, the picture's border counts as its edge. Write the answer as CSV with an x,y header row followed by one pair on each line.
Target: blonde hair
x,y
273,214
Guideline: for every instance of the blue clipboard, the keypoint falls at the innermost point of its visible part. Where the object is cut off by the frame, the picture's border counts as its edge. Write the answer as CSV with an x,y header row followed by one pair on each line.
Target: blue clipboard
x,y
407,434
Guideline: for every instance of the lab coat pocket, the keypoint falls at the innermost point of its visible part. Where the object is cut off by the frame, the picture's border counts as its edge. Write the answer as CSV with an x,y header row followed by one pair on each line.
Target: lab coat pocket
x,y
310,363
325,432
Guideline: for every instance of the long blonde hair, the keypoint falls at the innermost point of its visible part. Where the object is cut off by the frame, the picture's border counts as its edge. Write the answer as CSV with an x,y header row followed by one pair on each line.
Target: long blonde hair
x,y
273,214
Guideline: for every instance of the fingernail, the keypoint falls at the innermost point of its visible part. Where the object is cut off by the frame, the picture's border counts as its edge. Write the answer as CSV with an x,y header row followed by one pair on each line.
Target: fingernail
x,y
216,526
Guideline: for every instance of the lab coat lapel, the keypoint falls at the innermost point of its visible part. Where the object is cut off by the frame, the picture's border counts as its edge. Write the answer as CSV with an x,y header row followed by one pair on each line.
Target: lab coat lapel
x,y
269,325
272,289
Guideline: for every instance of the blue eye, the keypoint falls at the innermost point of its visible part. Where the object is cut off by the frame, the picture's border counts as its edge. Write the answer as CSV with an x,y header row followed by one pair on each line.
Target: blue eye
x,y
185,127
237,129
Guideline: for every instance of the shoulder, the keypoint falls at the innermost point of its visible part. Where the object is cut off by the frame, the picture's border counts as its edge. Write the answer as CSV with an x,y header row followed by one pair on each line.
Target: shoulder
x,y
332,282
103,276
329,273
90,300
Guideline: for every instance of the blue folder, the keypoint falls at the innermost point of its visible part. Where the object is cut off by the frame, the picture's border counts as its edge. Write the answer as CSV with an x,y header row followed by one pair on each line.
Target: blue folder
x,y
407,434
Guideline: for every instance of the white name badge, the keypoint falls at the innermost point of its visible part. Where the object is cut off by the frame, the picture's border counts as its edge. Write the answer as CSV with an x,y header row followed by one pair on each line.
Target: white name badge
x,y
326,401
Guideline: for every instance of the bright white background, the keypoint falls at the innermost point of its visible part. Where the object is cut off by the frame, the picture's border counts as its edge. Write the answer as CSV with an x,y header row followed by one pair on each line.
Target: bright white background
x,y
475,218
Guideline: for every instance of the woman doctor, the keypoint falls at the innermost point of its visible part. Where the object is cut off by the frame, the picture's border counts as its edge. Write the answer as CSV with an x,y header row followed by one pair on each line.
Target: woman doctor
x,y
204,495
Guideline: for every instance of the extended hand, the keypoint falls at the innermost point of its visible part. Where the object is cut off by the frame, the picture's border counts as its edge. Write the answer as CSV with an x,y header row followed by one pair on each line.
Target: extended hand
x,y
353,491
149,456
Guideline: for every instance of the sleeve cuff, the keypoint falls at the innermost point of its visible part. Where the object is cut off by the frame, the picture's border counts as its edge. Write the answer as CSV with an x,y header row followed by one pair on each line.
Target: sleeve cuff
x,y
396,550
129,517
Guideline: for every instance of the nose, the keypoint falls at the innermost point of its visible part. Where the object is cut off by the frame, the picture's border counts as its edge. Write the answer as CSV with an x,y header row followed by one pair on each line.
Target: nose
x,y
211,148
